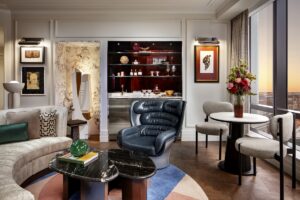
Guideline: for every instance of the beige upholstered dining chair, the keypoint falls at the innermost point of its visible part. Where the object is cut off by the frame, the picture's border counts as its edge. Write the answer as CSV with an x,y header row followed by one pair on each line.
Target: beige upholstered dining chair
x,y
213,128
282,127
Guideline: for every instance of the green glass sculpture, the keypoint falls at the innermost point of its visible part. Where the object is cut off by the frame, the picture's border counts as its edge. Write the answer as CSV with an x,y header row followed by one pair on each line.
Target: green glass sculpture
x,y
79,148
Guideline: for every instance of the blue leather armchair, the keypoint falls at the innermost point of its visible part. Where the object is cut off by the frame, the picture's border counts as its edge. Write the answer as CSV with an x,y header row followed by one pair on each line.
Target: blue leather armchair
x,y
155,126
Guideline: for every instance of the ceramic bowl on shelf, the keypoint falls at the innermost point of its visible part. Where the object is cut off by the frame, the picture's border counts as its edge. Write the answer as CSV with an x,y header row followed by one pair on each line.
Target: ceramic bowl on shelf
x,y
169,92
124,60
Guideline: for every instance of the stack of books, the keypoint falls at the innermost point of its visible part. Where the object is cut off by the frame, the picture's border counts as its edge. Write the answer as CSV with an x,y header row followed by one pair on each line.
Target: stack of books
x,y
83,160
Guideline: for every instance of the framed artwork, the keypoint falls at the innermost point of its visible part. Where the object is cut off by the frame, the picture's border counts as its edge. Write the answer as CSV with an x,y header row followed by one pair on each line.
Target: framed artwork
x,y
34,80
32,55
206,64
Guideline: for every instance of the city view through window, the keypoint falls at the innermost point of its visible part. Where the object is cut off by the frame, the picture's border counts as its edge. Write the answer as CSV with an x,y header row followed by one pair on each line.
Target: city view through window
x,y
261,34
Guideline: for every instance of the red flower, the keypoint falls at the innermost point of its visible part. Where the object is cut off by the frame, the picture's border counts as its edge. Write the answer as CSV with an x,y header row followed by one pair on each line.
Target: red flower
x,y
233,90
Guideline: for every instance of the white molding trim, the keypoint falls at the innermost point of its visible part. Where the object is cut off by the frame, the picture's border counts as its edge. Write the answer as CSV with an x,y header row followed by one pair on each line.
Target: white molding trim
x,y
103,136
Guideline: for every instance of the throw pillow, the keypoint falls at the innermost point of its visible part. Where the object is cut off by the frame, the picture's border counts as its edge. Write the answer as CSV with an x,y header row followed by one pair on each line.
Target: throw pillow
x,y
13,133
31,117
48,124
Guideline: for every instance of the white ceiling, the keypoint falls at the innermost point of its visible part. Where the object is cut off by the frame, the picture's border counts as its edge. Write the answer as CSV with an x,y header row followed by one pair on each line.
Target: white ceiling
x,y
181,6
215,7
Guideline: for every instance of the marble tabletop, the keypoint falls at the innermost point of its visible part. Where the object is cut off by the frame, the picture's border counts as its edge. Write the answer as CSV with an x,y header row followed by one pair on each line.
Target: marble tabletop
x,y
110,164
131,164
248,118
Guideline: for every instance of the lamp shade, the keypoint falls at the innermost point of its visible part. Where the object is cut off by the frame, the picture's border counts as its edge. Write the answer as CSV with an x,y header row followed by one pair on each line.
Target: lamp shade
x,y
13,86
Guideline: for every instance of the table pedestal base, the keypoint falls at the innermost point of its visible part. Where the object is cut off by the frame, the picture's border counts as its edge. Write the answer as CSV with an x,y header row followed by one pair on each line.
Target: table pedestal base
x,y
87,191
230,164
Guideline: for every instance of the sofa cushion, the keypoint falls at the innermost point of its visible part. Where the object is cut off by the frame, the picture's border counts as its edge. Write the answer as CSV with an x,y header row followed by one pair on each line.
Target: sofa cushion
x,y
48,123
31,117
13,133
15,155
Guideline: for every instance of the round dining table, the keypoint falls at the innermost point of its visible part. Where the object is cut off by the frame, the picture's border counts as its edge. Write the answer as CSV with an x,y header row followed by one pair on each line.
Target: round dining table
x,y
236,130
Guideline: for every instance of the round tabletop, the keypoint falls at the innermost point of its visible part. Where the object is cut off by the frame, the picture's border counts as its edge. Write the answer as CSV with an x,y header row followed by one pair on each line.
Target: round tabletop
x,y
248,118
110,164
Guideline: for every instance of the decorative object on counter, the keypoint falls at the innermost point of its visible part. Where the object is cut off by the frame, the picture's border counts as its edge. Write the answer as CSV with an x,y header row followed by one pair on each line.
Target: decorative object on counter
x,y
169,92
124,60
156,90
239,84
135,73
157,73
149,91
32,55
173,70
118,74
122,73
206,63
14,88
79,148
168,69
152,73
144,49
33,78
131,72
140,73
135,62
136,46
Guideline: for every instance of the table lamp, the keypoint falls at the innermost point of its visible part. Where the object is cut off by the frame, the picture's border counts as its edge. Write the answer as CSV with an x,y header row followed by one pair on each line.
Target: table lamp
x,y
14,88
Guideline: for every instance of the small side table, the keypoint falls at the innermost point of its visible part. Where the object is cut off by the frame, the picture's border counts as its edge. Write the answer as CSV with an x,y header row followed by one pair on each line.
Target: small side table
x,y
74,124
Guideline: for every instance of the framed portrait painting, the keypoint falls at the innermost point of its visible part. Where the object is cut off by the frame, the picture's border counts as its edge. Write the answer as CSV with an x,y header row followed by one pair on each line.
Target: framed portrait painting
x,y
32,55
34,81
206,64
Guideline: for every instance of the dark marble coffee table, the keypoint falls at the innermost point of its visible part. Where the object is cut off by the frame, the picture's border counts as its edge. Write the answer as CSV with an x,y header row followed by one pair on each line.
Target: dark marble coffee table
x,y
132,170
77,177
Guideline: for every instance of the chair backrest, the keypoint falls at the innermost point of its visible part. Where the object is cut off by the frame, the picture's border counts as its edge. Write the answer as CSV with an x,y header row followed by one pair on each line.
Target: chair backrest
x,y
287,126
161,113
216,106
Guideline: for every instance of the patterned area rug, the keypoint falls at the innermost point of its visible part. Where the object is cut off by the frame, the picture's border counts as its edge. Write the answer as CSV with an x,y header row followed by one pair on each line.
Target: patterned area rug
x,y
170,183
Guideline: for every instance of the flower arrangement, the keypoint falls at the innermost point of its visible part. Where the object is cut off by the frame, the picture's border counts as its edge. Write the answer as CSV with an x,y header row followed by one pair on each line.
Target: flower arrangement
x,y
239,84
239,80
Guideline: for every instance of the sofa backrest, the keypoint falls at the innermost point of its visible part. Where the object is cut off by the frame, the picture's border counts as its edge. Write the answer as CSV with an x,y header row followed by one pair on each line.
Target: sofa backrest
x,y
161,113
61,120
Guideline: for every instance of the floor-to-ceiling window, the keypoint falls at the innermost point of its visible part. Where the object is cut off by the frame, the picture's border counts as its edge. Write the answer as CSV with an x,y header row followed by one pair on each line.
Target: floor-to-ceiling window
x,y
284,87
293,60
261,62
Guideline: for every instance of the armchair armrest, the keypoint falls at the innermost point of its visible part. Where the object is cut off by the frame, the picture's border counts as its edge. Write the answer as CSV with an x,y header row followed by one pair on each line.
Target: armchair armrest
x,y
163,137
126,132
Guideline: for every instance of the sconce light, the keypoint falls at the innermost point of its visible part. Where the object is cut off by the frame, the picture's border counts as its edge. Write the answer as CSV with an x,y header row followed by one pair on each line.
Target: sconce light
x,y
30,41
208,40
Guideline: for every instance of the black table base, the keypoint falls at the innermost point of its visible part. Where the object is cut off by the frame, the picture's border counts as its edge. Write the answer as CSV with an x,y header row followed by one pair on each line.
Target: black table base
x,y
230,164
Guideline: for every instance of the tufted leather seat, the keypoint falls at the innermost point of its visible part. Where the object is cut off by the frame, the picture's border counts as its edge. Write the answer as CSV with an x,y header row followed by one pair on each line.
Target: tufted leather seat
x,y
155,126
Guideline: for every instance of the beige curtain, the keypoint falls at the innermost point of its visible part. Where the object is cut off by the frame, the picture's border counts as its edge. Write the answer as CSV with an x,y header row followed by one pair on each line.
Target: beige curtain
x,y
239,38
239,48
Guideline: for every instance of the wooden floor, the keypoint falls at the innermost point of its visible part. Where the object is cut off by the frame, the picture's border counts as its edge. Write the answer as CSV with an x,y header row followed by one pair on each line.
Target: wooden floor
x,y
220,185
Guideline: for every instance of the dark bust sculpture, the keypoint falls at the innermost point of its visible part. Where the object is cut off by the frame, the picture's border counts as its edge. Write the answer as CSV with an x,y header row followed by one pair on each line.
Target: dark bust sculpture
x,y
155,126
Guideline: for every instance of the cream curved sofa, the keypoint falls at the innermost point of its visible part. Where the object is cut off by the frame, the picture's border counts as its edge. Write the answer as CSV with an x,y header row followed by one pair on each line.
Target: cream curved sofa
x,y
20,160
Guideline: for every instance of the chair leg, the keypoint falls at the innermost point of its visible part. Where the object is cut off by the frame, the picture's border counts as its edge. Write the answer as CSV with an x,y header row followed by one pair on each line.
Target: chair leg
x,y
294,169
196,142
240,165
206,139
220,145
281,178
254,166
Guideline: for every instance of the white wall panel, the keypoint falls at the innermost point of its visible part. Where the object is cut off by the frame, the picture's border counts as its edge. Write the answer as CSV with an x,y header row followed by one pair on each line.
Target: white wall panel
x,y
126,28
32,28
198,93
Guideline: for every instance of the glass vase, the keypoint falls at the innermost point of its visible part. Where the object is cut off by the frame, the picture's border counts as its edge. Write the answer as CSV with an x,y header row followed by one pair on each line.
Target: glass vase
x,y
239,101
